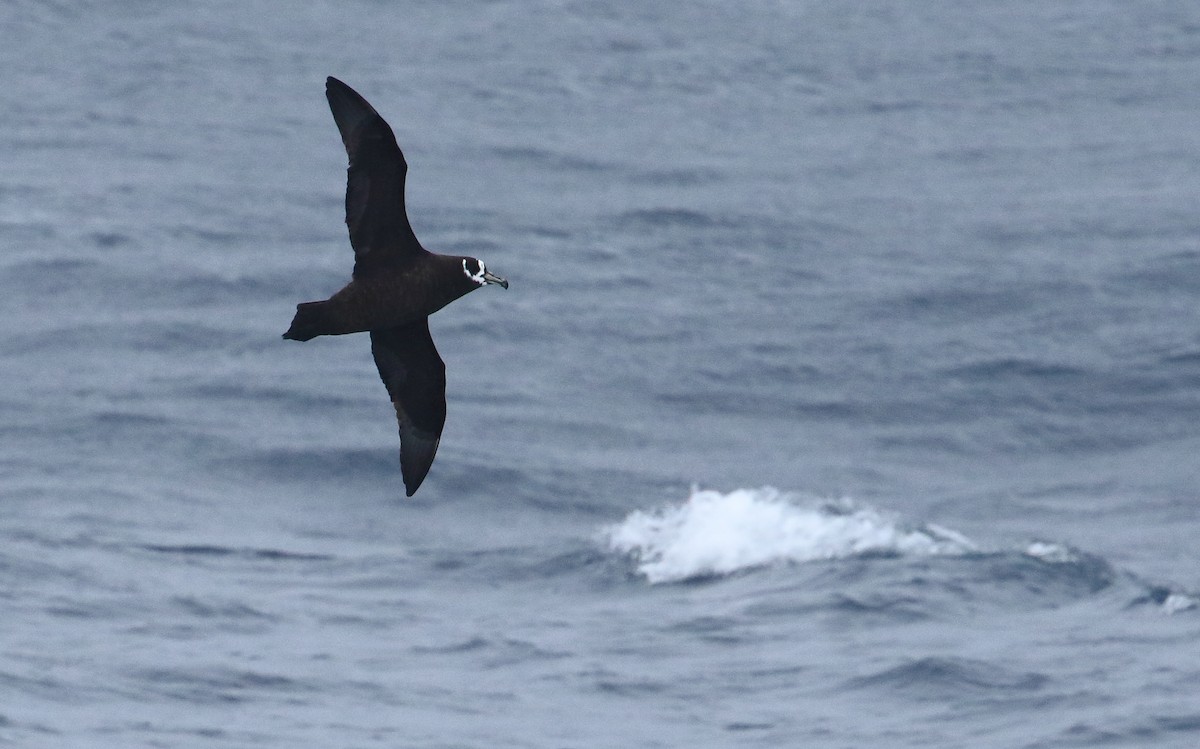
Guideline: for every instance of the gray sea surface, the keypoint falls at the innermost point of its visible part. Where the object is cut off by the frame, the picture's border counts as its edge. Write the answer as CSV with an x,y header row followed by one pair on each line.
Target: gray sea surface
x,y
847,392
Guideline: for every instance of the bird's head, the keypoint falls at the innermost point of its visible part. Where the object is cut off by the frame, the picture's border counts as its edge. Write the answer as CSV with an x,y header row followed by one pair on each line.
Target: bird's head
x,y
479,274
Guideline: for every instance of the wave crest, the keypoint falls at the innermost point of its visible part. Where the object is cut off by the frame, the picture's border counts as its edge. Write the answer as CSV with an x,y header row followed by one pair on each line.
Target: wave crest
x,y
717,534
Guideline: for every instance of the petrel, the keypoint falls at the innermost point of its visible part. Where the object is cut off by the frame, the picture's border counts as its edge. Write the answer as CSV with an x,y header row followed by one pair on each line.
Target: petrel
x,y
396,284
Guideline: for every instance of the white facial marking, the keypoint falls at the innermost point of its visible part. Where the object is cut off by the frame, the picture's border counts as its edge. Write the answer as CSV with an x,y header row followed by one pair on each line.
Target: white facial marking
x,y
476,277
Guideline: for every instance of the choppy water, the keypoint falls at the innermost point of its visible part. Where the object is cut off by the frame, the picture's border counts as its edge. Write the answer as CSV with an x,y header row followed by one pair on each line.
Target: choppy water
x,y
931,273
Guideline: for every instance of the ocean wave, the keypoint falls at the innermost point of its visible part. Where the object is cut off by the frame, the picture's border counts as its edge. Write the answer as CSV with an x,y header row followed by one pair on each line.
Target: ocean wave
x,y
949,677
713,534
718,534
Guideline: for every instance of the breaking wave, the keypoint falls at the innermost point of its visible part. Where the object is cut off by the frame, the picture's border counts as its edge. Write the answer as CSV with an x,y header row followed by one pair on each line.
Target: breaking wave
x,y
712,533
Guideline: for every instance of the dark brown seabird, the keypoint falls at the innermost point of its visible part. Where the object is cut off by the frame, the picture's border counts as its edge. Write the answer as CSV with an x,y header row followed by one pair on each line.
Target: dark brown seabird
x,y
396,284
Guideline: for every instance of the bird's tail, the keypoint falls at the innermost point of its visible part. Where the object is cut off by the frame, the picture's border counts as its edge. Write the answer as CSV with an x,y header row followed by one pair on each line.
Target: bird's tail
x,y
309,322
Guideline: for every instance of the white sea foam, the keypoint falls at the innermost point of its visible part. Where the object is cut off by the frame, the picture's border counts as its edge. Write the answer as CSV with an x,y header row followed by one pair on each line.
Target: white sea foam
x,y
1177,602
1051,552
716,534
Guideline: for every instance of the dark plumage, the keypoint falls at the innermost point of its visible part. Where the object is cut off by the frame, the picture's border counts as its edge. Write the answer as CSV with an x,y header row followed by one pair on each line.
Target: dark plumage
x,y
395,286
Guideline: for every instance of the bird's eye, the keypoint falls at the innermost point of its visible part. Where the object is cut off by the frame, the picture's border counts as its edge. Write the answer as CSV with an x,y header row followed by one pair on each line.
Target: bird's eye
x,y
473,269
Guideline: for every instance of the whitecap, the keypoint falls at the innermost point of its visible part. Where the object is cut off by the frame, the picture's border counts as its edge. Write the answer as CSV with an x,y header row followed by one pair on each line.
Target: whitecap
x,y
1176,602
717,534
1051,552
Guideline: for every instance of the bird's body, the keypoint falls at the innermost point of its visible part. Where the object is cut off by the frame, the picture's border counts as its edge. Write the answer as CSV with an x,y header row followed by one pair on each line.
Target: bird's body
x,y
383,300
396,283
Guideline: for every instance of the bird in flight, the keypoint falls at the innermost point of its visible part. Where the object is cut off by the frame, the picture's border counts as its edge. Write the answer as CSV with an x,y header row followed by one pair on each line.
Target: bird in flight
x,y
396,284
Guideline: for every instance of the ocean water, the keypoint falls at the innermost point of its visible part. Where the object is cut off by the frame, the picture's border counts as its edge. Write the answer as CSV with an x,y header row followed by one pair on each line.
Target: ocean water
x,y
847,392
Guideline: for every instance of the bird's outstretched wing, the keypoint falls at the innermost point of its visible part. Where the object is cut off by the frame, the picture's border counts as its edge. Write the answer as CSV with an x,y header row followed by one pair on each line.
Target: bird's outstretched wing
x,y
415,377
379,230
